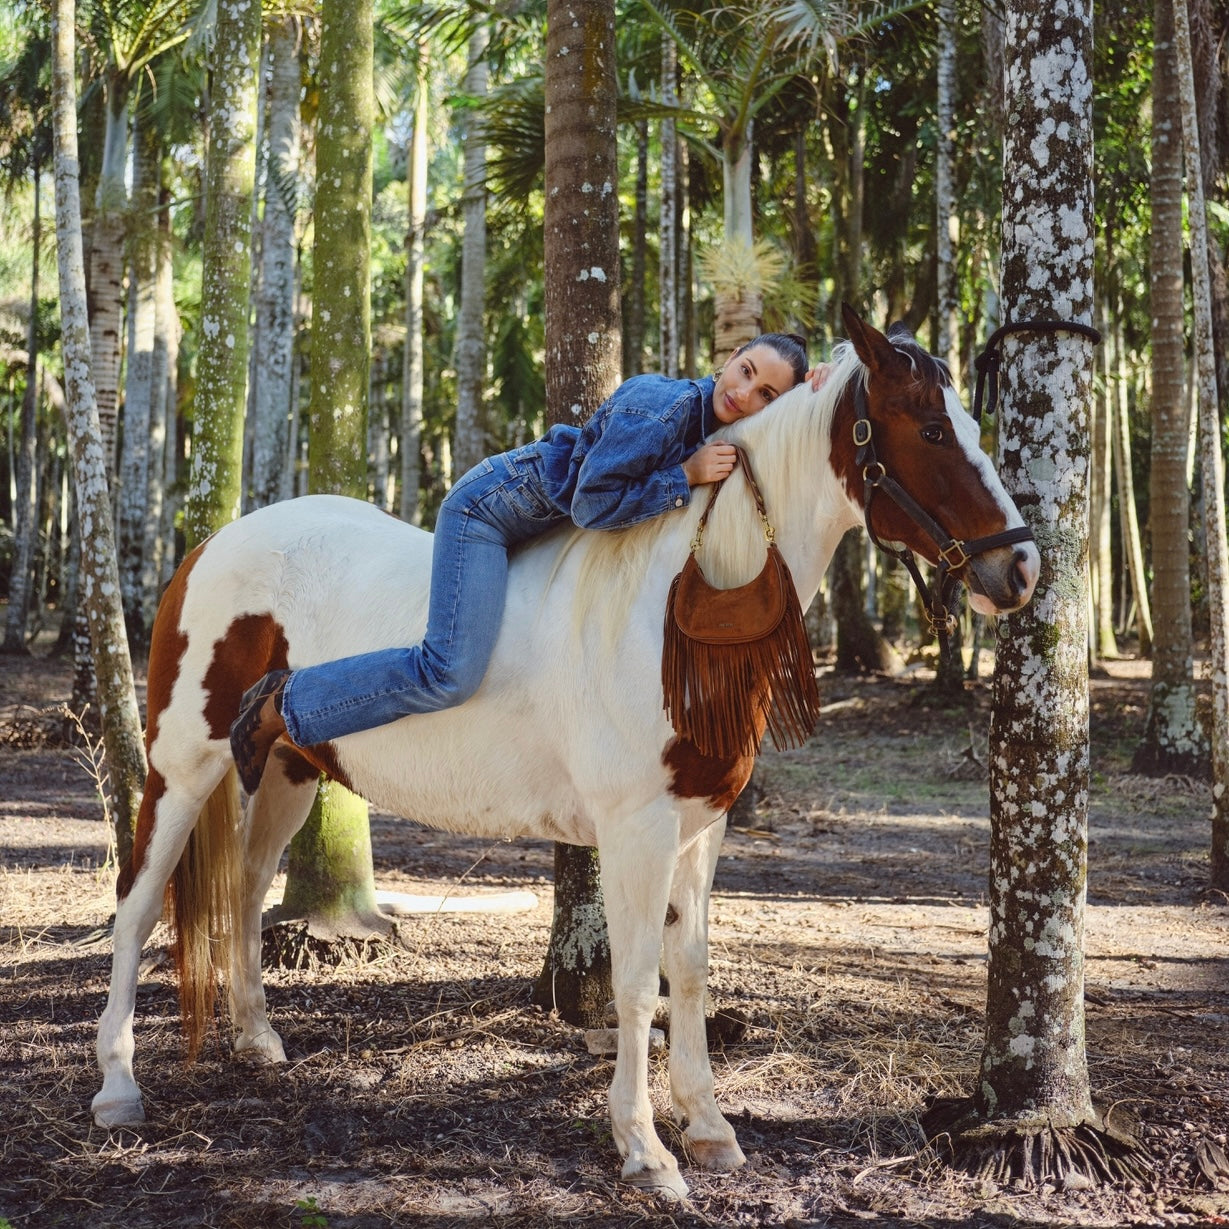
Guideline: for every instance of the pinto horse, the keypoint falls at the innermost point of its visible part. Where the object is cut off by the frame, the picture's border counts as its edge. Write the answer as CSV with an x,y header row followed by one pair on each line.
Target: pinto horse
x,y
566,738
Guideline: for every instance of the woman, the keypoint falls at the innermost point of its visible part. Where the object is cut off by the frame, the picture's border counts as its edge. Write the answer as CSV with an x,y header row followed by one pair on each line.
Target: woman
x,y
638,456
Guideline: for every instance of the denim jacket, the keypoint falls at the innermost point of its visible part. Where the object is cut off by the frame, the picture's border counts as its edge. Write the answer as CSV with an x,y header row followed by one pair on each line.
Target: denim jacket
x,y
625,464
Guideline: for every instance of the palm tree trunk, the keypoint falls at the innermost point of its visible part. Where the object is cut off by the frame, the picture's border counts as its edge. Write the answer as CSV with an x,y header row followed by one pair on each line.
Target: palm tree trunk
x,y
121,722
331,882
1173,739
945,205
222,361
581,236
158,530
106,284
633,308
1100,556
667,239
275,331
1128,516
1210,454
412,366
469,436
25,508
138,387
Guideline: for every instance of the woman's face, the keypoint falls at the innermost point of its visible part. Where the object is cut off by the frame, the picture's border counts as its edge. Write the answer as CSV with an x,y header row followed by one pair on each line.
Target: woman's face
x,y
749,381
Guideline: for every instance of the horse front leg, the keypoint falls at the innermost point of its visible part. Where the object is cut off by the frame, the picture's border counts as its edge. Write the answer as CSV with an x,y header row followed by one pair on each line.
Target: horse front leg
x,y
709,1138
276,812
637,861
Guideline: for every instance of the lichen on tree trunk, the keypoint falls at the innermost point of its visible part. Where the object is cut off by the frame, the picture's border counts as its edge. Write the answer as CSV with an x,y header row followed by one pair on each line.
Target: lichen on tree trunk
x,y
1031,1115
575,977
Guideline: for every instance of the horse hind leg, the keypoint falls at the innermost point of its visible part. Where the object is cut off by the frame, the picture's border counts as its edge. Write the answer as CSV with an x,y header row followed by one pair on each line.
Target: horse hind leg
x,y
709,1138
167,816
276,812
636,865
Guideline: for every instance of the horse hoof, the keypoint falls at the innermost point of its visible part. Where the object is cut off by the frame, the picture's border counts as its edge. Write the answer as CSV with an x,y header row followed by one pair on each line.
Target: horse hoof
x,y
124,1113
665,1181
262,1049
719,1155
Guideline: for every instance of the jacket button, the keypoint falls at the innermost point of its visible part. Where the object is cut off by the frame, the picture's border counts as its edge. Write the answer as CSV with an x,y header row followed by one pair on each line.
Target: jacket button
x,y
678,503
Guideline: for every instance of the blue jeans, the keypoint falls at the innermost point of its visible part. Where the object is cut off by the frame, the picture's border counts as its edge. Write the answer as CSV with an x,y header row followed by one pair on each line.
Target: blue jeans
x,y
494,506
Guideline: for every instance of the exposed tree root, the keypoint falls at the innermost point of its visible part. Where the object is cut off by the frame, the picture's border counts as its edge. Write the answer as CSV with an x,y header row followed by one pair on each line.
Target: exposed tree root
x,y
293,944
1105,1150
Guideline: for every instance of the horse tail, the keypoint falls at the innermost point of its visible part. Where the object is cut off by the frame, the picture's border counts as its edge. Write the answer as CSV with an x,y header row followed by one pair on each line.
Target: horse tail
x,y
201,898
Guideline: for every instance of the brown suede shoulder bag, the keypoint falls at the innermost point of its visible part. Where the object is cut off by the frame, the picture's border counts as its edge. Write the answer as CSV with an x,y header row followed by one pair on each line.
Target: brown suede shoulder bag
x,y
738,660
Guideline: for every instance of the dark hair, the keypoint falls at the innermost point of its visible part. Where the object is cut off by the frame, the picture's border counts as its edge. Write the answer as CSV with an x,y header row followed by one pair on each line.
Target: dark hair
x,y
790,346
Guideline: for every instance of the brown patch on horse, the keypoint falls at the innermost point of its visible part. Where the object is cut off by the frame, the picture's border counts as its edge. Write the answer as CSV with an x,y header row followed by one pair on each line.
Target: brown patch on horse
x,y
302,764
251,646
694,775
167,647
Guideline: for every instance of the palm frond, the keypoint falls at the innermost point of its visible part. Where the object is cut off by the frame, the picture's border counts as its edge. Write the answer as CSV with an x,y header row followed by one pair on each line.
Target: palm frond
x,y
734,268
514,123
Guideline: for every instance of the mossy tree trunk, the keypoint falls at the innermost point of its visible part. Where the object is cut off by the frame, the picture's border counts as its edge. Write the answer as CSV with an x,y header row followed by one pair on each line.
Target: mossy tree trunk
x,y
1031,1115
331,881
222,360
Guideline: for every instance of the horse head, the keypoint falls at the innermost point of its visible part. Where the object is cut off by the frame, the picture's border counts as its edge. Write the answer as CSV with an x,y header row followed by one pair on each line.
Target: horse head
x,y
911,456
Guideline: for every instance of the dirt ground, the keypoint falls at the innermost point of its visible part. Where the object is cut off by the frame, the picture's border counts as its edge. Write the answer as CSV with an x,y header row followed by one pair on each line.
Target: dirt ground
x,y
848,926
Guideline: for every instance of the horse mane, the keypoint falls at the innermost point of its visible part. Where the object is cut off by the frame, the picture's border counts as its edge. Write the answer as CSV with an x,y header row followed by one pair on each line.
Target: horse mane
x,y
787,442
933,373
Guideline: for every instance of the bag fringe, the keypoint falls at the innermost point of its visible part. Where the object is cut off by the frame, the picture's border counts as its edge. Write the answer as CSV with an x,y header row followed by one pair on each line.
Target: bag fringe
x,y
722,696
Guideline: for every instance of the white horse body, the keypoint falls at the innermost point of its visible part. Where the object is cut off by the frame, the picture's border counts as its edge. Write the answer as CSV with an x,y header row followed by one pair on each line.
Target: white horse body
x,y
566,739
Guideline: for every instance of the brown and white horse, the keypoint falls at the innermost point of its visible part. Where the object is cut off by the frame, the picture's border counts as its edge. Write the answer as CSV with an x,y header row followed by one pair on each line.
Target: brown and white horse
x,y
566,739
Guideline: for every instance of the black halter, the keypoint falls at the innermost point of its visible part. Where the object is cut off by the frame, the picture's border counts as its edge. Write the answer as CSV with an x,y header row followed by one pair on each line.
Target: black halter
x,y
954,553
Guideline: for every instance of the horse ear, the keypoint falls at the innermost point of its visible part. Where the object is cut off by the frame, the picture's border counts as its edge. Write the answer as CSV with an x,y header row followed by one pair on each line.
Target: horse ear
x,y
872,347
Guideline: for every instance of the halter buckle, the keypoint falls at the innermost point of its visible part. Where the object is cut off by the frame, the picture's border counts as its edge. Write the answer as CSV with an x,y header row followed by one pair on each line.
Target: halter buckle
x,y
874,473
942,621
954,547
862,432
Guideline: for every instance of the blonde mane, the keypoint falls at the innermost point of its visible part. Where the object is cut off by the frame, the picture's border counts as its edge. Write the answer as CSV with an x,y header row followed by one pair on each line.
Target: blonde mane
x,y
787,442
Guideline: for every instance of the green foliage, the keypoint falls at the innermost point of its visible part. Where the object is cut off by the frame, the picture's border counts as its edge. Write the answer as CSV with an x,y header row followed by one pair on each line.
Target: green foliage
x,y
310,1215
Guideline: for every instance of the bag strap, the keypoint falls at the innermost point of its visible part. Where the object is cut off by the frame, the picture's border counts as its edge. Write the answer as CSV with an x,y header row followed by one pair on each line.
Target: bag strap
x,y
744,461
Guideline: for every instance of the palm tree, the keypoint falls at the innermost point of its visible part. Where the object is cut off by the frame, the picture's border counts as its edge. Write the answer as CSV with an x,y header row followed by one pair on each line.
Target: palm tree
x,y
742,58
1210,448
469,434
270,409
583,362
131,34
222,361
1173,739
121,722
412,363
25,120
330,880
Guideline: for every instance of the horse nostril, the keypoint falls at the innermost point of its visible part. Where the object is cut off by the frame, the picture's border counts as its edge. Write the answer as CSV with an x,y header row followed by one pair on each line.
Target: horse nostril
x,y
1021,572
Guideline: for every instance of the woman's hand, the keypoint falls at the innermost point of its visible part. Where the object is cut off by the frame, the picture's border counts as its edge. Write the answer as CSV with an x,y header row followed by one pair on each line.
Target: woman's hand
x,y
710,463
817,375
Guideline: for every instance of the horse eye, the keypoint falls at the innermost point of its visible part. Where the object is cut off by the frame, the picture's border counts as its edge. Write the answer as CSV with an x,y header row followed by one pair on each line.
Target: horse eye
x,y
932,435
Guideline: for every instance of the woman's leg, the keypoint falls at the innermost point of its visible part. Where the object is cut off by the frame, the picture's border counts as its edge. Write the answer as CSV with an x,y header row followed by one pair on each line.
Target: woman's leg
x,y
469,577
497,504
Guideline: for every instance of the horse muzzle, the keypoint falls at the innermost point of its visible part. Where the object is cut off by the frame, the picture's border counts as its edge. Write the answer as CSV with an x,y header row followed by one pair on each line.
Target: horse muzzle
x,y
1003,579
